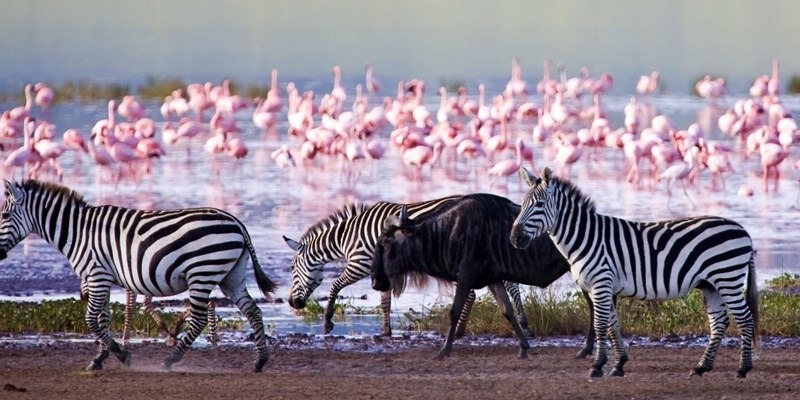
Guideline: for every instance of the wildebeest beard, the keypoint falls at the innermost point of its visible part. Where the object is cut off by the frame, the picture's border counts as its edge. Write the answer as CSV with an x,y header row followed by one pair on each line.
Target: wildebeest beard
x,y
404,262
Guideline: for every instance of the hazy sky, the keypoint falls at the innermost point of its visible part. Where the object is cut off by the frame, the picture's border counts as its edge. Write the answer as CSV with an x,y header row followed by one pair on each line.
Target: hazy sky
x,y
450,39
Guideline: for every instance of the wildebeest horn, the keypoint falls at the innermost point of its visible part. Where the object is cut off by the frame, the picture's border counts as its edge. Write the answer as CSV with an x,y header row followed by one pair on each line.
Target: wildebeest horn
x,y
404,221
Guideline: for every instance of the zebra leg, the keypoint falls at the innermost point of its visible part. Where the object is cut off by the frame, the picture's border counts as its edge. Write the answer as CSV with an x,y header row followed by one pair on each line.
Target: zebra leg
x,y
162,326
603,308
461,327
345,279
130,309
172,335
501,296
197,322
213,328
617,344
237,292
386,308
97,318
516,297
462,291
746,321
718,319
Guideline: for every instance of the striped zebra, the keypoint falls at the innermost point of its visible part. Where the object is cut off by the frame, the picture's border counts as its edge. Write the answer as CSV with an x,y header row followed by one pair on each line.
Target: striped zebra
x,y
351,233
155,253
645,260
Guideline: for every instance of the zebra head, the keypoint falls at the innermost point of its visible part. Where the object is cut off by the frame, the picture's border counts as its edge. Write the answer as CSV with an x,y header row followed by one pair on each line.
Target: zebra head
x,y
15,221
306,273
535,216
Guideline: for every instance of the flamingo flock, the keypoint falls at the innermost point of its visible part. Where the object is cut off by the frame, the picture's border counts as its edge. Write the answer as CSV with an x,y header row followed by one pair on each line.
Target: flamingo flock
x,y
493,134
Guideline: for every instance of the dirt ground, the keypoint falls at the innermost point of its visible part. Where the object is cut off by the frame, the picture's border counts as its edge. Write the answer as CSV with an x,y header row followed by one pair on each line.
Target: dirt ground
x,y
55,371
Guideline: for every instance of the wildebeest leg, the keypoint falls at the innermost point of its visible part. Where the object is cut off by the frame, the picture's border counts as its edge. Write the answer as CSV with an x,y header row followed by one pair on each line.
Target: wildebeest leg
x,y
588,345
462,291
464,317
501,296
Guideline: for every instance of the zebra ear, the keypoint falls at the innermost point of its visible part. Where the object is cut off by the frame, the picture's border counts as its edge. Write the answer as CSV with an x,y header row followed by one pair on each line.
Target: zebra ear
x,y
527,176
14,191
293,244
547,173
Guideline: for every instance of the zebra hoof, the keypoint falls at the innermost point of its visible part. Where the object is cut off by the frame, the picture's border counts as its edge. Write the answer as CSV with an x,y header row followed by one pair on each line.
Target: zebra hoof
x,y
617,372
742,372
387,332
596,373
260,365
94,366
523,353
328,327
700,370
166,366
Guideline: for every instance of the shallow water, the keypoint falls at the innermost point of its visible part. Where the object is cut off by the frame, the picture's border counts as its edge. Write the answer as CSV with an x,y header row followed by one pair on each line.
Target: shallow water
x,y
273,202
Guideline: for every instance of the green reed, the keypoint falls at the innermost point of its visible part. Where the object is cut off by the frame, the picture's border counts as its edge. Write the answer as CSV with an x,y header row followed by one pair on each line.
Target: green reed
x,y
552,314
68,315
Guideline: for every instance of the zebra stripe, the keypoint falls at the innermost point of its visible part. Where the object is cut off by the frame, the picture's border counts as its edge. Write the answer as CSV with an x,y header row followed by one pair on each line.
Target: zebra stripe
x,y
645,260
351,233
155,253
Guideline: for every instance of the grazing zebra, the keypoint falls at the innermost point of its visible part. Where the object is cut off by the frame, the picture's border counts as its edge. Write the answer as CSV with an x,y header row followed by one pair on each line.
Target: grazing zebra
x,y
155,253
351,233
645,260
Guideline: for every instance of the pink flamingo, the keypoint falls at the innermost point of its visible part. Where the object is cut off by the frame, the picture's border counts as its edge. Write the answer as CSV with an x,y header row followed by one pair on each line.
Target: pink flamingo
x,y
420,156
121,152
338,91
50,150
509,166
772,154
283,157
22,112
774,83
73,140
44,95
372,84
23,155
108,123
236,148
680,171
130,108
647,84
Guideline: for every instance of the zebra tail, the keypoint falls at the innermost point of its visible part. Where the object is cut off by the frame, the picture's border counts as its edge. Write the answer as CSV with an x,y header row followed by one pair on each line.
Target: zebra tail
x,y
752,299
266,285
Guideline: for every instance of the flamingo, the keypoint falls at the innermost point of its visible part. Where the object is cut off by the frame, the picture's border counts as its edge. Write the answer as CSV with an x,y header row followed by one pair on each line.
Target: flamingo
x,y
372,84
647,84
772,154
44,95
283,157
23,155
680,171
419,156
508,166
22,112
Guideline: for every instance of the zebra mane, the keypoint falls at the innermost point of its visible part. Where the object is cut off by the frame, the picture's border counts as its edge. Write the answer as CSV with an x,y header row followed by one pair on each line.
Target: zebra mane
x,y
572,191
34,186
346,212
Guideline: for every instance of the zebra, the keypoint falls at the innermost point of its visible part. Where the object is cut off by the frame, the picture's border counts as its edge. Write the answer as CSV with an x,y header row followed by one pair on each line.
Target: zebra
x,y
645,260
155,253
351,233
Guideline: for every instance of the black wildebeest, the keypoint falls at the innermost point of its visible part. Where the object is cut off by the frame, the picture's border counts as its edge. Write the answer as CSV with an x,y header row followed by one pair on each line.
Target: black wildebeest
x,y
466,242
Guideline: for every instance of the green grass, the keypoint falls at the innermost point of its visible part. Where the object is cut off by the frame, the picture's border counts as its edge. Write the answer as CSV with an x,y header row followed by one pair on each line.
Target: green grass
x,y
793,87
68,315
550,314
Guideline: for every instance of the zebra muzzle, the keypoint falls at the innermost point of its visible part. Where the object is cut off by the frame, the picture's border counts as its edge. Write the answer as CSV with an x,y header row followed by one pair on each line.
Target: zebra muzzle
x,y
3,254
297,304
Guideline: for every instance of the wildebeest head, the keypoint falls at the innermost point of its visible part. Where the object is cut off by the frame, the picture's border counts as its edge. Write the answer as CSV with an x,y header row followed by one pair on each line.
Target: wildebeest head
x,y
397,253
